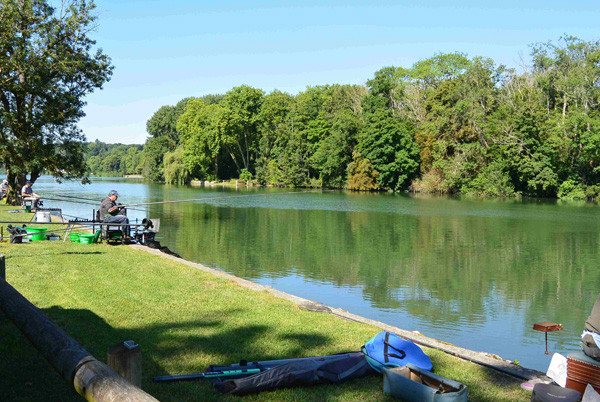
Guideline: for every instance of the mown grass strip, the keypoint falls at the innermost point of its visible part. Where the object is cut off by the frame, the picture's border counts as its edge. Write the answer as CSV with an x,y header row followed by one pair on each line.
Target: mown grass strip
x,y
184,319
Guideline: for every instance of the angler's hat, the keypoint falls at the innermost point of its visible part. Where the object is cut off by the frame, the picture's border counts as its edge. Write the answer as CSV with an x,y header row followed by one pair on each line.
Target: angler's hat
x,y
113,192
28,182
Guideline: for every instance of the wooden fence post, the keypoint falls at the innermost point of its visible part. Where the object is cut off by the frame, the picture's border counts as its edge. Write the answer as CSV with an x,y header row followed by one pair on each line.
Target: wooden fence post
x,y
126,359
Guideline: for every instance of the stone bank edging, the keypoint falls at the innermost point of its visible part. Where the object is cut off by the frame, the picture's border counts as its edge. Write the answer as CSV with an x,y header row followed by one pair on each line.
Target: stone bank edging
x,y
485,359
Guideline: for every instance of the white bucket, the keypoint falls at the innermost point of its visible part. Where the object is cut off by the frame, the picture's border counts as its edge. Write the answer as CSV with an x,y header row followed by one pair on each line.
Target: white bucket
x,y
41,216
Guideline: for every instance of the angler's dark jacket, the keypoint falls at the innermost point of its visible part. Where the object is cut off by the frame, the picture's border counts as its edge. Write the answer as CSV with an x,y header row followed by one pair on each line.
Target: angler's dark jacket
x,y
592,324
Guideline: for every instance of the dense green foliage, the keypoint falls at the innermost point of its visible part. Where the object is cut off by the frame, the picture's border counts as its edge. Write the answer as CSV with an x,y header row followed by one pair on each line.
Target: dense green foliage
x,y
448,124
114,159
47,67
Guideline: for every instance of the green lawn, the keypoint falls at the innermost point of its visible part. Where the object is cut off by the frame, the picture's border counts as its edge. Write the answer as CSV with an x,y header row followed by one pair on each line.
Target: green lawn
x,y
184,319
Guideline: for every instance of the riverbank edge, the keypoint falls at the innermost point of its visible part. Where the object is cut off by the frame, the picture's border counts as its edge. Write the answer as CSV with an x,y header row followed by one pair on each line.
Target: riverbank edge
x,y
482,358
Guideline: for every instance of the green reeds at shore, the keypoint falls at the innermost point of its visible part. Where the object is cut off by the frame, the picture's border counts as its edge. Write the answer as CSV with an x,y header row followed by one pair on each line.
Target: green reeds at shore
x,y
184,319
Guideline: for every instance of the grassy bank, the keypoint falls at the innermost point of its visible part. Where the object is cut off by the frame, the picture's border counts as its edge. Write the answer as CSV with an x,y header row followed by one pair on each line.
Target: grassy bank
x,y
184,319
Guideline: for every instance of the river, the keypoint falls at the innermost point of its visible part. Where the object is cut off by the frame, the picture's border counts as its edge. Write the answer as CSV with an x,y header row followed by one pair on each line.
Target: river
x,y
477,273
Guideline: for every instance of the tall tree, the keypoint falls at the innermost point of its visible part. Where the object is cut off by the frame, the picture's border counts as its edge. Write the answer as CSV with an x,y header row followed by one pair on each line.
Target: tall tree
x,y
242,105
388,143
163,123
341,117
47,66
164,137
201,131
276,127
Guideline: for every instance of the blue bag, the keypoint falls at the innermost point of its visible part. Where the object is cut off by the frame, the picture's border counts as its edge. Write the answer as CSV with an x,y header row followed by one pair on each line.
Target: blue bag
x,y
389,350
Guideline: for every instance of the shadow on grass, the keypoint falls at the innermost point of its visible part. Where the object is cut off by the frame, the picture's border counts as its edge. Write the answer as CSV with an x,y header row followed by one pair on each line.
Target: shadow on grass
x,y
38,255
188,346
83,252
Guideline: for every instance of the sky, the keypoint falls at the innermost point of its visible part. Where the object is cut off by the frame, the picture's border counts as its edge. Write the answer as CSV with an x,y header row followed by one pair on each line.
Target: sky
x,y
164,51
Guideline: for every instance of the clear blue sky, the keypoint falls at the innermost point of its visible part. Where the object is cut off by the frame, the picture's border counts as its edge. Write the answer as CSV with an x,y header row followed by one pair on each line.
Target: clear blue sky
x,y
164,51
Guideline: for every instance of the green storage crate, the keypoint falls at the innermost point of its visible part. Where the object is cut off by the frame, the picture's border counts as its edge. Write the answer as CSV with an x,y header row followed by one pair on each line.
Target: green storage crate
x,y
40,233
86,238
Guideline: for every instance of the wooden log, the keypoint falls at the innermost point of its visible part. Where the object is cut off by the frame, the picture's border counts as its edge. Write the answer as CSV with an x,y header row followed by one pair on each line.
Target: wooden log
x,y
92,379
95,381
126,359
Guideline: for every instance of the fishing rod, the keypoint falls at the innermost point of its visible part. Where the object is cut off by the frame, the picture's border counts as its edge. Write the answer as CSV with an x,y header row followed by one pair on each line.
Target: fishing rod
x,y
188,200
149,210
82,200
210,374
214,198
245,367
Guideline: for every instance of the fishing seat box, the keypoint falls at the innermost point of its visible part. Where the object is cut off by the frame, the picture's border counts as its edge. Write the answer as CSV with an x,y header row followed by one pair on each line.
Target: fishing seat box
x,y
582,370
27,205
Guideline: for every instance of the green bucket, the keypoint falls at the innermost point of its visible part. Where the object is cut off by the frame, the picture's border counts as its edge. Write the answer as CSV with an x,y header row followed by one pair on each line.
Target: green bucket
x,y
40,233
74,237
86,238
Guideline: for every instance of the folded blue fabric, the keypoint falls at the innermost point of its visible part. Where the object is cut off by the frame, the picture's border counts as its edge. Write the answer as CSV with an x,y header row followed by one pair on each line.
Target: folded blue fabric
x,y
594,335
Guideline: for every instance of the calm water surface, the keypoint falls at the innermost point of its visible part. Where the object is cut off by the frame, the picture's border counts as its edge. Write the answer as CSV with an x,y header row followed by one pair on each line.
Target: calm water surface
x,y
475,273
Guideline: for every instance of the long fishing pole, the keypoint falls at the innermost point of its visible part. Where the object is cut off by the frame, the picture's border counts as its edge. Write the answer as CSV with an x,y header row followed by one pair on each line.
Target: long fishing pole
x,y
149,210
209,374
190,200
214,198
81,200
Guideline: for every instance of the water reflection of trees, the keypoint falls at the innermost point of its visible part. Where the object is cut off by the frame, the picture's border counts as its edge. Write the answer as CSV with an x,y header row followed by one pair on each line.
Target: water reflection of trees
x,y
442,268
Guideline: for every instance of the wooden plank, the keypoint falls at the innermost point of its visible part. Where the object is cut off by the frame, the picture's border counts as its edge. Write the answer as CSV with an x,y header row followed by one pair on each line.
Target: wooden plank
x,y
126,359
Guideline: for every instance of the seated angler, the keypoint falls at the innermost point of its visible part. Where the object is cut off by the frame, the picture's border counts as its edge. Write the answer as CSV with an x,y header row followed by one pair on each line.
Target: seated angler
x,y
111,212
28,194
3,189
590,339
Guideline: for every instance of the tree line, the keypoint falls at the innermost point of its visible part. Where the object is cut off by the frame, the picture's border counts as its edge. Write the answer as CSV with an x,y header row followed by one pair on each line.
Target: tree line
x,y
113,159
448,124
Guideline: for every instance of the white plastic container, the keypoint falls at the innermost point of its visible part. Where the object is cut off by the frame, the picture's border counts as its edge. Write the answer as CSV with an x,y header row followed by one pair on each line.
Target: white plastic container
x,y
43,216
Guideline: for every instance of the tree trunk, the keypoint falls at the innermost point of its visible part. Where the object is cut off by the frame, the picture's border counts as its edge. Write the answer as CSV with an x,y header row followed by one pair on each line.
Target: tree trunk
x,y
15,183
229,150
242,155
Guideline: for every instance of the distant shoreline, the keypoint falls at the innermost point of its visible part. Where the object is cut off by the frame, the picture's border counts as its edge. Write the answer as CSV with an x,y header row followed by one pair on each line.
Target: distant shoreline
x,y
133,176
224,183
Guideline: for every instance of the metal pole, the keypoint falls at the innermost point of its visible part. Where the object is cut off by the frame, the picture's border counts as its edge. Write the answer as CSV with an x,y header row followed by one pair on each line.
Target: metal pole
x,y
2,267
